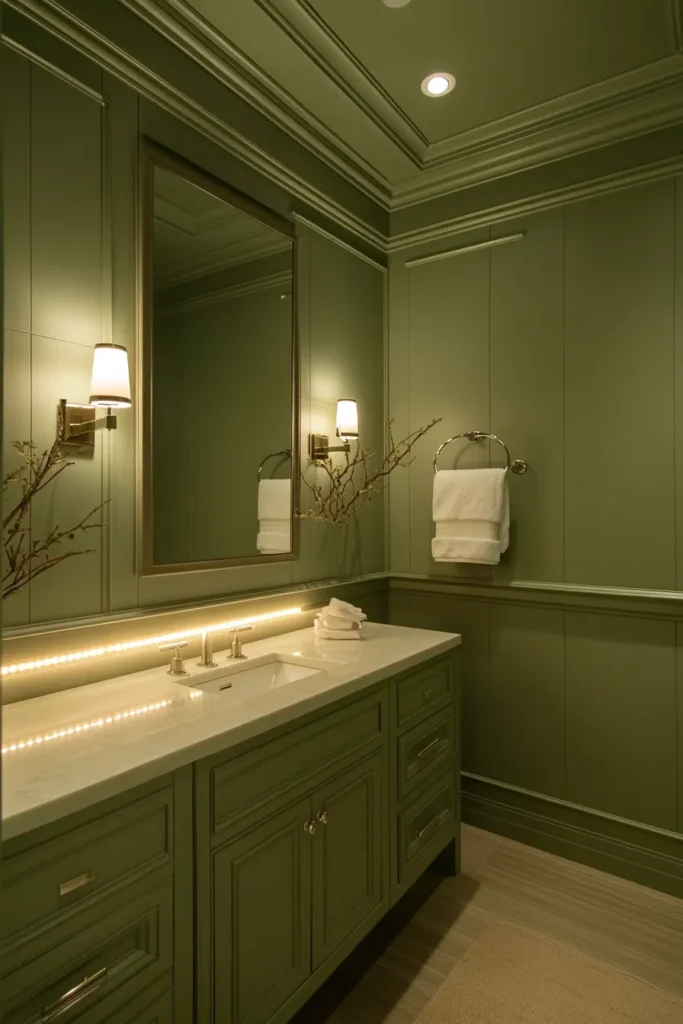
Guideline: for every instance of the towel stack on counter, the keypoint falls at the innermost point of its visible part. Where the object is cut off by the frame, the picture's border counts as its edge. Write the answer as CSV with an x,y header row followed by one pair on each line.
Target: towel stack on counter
x,y
339,621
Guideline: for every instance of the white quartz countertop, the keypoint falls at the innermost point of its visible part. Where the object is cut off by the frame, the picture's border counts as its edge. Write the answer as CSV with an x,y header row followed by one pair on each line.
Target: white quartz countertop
x,y
69,750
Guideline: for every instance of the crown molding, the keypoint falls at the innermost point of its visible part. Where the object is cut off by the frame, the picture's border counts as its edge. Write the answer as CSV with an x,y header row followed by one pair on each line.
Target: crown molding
x,y
181,25
259,284
49,15
312,34
632,104
202,264
542,201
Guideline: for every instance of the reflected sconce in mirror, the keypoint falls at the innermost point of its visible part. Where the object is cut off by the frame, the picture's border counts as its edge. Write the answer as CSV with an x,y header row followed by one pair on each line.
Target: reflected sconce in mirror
x,y
109,389
347,430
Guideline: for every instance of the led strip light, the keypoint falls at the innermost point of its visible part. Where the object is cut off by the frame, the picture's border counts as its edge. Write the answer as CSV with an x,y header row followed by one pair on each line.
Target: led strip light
x,y
80,727
136,645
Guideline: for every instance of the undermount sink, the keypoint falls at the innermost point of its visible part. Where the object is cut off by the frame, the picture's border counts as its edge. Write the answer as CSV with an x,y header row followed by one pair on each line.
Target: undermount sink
x,y
244,681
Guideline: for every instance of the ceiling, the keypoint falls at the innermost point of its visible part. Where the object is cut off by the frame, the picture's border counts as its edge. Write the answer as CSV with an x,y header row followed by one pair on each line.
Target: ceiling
x,y
535,79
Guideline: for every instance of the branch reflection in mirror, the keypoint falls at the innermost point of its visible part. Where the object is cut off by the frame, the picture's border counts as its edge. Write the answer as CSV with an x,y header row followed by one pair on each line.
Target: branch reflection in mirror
x,y
349,483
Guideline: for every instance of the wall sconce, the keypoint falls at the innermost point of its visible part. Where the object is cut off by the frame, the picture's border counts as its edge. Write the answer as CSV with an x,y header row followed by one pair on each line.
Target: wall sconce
x,y
109,389
347,430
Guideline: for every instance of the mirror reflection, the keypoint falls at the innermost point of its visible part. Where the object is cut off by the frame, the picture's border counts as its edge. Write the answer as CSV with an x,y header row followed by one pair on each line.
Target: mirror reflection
x,y
221,369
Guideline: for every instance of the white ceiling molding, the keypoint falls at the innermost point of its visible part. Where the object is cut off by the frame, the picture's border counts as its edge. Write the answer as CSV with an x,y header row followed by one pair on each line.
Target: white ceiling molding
x,y
75,33
199,40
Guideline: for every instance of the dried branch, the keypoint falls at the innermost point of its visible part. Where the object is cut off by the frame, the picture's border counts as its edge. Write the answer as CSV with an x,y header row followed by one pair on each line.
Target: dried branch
x,y
27,558
351,483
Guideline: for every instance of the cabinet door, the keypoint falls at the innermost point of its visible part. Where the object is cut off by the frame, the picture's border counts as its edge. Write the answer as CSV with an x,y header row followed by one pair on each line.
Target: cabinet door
x,y
347,857
262,918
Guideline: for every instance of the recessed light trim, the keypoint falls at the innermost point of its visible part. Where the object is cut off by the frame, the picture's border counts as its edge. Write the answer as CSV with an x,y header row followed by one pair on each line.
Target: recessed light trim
x,y
438,84
395,3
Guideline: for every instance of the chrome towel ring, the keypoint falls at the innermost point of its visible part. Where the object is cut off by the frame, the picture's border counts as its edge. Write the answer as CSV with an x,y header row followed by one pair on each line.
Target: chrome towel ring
x,y
517,466
286,453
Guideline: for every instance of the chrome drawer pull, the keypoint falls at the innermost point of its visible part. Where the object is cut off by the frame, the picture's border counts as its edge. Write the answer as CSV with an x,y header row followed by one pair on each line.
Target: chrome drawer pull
x,y
77,883
430,746
434,823
74,995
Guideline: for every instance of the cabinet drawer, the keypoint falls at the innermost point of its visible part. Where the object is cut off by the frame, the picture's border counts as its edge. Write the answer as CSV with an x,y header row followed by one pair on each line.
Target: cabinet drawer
x,y
425,749
49,882
425,827
423,692
98,971
242,786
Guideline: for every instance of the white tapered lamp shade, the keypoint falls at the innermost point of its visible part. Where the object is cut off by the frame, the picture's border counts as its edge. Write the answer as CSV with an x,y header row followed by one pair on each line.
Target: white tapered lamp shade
x,y
110,384
347,419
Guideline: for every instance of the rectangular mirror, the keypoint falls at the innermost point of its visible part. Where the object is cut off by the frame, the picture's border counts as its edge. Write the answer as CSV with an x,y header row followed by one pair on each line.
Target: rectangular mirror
x,y
220,418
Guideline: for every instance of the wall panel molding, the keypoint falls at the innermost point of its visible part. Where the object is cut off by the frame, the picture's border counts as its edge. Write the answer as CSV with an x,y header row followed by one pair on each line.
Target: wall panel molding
x,y
574,193
641,853
658,604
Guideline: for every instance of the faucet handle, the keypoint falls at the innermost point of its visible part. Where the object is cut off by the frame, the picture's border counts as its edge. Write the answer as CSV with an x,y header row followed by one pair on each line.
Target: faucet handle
x,y
236,645
176,668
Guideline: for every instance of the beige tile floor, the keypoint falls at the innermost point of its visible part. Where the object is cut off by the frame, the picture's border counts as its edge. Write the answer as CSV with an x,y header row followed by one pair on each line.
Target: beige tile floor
x,y
400,966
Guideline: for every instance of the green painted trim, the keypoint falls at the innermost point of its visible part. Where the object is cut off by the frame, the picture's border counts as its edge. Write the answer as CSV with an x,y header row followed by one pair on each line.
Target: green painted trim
x,y
630,850
658,604
77,34
490,243
47,65
300,219
666,168
260,284
214,52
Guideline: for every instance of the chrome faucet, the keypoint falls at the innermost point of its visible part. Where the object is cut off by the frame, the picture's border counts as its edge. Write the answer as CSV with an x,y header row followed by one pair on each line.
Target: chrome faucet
x,y
207,653
176,667
236,645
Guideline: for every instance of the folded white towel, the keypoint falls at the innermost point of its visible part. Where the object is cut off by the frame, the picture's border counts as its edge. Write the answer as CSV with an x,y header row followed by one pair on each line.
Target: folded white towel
x,y
337,621
471,510
335,634
274,514
345,610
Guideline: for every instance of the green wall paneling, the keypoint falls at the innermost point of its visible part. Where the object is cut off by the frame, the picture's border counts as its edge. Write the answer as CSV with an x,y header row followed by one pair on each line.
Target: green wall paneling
x,y
646,855
678,371
679,699
448,377
527,698
16,426
71,183
619,393
621,717
526,389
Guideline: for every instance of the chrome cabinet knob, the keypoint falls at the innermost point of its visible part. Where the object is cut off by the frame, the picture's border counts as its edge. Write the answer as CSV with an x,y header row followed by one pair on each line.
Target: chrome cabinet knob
x,y
310,827
322,817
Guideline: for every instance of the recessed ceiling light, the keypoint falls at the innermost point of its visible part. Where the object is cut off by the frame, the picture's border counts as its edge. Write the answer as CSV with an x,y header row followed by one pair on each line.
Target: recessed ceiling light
x,y
395,3
438,84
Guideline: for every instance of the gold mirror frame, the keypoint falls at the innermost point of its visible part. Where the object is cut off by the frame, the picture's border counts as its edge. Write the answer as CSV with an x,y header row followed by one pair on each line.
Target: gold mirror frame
x,y
154,155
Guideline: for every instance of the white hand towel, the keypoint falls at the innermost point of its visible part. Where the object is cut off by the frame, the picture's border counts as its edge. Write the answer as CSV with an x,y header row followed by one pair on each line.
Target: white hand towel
x,y
334,634
345,610
274,514
471,510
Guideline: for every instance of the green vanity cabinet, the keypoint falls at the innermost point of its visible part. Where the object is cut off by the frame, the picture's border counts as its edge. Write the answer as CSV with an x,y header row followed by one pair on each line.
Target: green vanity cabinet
x,y
227,891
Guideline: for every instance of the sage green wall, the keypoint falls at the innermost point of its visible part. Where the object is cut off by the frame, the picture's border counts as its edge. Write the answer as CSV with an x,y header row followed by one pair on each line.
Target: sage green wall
x,y
569,345
222,402
72,135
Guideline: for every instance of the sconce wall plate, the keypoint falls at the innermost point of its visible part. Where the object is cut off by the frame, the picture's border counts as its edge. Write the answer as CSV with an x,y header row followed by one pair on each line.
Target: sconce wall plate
x,y
72,429
319,447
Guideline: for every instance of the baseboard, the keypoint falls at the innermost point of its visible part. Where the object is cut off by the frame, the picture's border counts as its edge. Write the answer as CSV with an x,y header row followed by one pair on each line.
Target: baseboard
x,y
642,854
